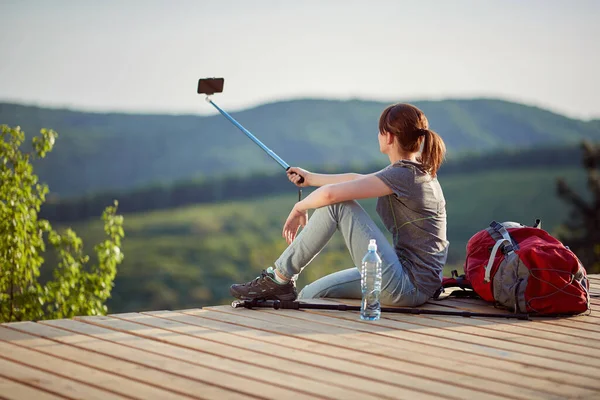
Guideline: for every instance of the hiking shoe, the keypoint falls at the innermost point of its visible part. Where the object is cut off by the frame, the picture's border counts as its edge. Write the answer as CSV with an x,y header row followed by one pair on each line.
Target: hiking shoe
x,y
264,287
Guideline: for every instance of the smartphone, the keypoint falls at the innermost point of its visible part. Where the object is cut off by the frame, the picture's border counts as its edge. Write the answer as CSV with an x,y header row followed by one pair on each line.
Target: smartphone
x,y
210,85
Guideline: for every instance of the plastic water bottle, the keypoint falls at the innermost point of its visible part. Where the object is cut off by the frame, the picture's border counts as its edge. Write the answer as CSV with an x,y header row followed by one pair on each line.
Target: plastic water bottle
x,y
370,283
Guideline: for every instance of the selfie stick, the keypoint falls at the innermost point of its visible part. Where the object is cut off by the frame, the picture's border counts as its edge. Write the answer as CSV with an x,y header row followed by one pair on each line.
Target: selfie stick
x,y
251,136
211,86
260,144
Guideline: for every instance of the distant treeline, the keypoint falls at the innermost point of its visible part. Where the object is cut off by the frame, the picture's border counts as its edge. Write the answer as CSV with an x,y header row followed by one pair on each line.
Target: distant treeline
x,y
226,188
118,152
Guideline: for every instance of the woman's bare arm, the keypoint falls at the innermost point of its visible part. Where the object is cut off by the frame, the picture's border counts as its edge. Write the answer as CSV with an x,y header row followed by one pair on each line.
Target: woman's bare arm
x,y
314,179
362,188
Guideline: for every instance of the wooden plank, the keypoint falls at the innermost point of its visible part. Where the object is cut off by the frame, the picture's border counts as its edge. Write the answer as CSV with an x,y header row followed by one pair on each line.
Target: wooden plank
x,y
478,303
246,363
573,323
476,306
224,383
493,330
294,362
450,333
88,367
595,301
577,337
12,390
565,331
51,383
169,373
531,328
451,304
593,316
588,318
419,375
415,323
470,365
480,306
470,305
345,322
65,369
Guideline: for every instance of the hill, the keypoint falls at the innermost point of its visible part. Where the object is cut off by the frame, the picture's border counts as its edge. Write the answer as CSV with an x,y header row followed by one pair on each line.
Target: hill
x,y
115,151
188,256
236,187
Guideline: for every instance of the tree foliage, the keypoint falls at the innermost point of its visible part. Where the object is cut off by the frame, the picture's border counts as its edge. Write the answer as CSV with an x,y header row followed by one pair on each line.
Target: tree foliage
x,y
77,288
582,231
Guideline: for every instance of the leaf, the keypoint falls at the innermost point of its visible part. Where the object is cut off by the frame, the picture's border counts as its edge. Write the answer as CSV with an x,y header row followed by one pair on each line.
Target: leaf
x,y
73,291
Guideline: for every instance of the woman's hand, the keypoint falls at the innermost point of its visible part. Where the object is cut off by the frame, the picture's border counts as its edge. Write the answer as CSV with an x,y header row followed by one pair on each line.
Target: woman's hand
x,y
294,174
294,221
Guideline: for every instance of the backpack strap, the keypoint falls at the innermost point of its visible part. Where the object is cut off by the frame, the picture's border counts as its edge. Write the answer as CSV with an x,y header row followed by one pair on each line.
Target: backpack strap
x,y
506,250
455,281
497,231
504,242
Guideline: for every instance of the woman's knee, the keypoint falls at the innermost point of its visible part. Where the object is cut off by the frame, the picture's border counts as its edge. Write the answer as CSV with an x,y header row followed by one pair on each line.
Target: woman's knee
x,y
352,204
308,292
302,295
349,205
341,284
334,211
315,290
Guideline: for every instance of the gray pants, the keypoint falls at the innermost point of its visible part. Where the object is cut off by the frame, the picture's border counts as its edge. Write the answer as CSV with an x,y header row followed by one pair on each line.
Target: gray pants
x,y
357,228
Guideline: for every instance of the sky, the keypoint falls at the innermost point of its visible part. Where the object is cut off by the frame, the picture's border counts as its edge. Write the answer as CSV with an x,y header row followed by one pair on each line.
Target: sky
x,y
147,55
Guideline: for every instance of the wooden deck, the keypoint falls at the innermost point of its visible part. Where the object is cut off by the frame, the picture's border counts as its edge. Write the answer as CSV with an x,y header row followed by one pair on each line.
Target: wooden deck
x,y
225,353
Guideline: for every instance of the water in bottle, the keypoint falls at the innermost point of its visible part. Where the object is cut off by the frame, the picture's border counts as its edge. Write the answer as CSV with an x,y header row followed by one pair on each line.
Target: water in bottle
x,y
370,282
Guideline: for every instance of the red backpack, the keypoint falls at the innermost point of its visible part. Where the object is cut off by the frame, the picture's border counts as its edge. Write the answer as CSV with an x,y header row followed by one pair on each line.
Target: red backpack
x,y
526,270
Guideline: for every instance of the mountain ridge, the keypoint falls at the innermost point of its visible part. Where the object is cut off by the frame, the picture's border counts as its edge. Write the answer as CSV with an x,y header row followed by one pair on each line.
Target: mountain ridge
x,y
210,112
109,151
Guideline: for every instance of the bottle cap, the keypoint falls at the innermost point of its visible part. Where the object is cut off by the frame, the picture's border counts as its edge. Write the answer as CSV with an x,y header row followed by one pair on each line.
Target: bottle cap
x,y
372,245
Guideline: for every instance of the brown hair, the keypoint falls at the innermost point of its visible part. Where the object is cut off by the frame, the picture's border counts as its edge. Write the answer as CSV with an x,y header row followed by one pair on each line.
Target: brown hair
x,y
411,129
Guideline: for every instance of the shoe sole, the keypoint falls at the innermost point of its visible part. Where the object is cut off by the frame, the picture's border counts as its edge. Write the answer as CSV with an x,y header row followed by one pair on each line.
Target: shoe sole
x,y
284,297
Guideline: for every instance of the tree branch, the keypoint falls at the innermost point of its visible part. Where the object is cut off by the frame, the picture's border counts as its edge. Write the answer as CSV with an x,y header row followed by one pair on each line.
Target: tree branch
x,y
569,195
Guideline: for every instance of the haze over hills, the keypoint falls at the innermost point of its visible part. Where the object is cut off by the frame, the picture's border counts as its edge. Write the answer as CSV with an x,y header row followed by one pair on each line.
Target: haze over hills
x,y
112,151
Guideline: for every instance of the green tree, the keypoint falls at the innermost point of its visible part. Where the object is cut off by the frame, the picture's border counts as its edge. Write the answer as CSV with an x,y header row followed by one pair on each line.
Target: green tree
x,y
582,232
77,288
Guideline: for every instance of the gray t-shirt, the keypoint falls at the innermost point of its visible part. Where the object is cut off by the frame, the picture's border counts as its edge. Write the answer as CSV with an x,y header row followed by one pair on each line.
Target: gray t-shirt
x,y
415,215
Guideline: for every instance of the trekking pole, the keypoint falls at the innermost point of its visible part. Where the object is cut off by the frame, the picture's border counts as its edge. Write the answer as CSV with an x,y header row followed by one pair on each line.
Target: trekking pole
x,y
296,305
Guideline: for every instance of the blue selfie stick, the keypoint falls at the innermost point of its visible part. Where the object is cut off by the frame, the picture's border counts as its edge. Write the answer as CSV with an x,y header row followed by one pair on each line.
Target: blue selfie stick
x,y
260,144
251,136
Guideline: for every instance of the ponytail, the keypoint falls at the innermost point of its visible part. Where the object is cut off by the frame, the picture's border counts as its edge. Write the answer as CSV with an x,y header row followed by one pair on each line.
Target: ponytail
x,y
409,126
433,153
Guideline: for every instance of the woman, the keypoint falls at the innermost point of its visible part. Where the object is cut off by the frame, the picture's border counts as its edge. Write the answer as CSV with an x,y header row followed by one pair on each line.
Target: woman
x,y
410,203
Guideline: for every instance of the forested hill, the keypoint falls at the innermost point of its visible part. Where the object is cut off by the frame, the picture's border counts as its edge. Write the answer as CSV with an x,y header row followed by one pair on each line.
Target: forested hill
x,y
113,151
